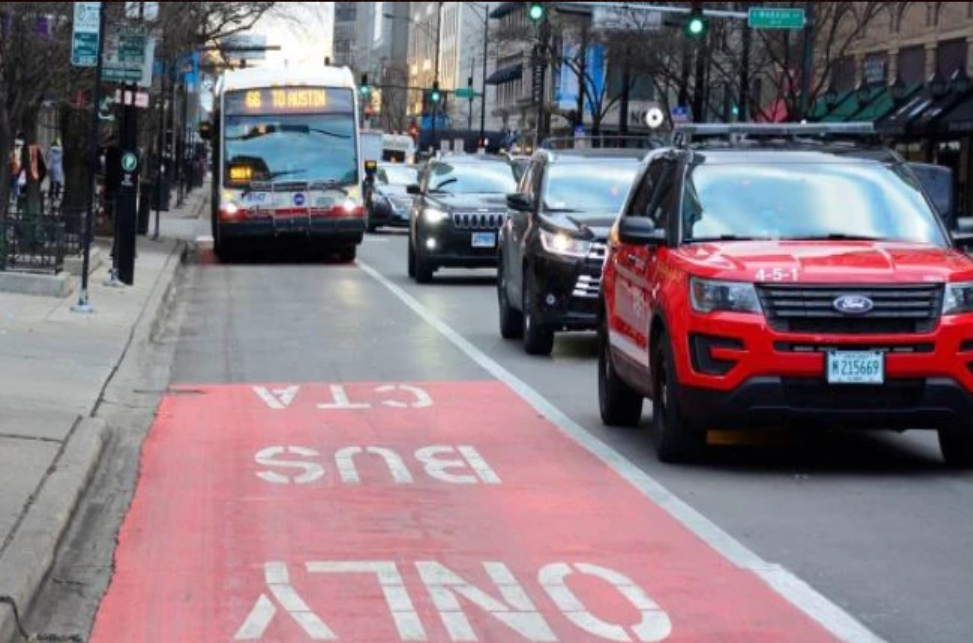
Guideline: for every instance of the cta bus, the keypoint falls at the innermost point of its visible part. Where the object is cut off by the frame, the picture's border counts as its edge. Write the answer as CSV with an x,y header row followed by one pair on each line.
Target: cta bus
x,y
287,158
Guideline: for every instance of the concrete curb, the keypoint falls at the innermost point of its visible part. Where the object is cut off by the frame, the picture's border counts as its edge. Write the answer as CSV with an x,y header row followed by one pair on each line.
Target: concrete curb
x,y
19,283
28,558
31,552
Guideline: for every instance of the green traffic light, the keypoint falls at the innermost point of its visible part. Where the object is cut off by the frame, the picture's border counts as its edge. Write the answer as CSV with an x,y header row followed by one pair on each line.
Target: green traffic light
x,y
365,90
536,11
696,26
435,97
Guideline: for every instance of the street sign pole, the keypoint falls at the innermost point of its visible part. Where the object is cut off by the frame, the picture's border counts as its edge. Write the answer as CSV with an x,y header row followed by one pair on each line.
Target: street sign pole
x,y
84,303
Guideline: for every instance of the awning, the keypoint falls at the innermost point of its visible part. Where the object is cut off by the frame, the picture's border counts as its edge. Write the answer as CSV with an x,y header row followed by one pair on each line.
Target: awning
x,y
930,120
847,108
924,113
506,74
822,107
504,8
960,118
882,105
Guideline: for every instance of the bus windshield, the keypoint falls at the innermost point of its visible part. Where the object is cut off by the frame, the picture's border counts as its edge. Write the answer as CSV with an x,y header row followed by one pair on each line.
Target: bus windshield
x,y
292,134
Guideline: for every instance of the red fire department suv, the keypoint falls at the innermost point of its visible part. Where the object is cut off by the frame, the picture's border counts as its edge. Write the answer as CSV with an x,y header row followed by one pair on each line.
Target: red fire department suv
x,y
773,276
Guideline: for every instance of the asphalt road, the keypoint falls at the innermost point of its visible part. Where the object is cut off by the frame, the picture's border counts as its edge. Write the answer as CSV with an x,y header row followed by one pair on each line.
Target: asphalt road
x,y
872,522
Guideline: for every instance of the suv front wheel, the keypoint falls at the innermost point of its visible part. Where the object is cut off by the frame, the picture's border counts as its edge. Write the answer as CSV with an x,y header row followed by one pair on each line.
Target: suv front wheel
x,y
538,336
620,405
511,320
675,440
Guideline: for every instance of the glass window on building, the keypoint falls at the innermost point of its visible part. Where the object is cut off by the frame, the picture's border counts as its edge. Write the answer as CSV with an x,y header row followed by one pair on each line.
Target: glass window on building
x,y
641,85
912,64
950,56
844,74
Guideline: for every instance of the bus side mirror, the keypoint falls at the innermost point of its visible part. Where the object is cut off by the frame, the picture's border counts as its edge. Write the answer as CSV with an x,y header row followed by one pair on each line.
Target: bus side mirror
x,y
371,167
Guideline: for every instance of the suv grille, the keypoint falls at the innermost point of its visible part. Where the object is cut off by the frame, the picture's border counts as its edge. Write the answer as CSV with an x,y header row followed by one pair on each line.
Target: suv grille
x,y
589,281
898,310
478,220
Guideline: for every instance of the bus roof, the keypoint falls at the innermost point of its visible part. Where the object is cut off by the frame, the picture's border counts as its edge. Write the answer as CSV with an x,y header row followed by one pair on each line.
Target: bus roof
x,y
281,76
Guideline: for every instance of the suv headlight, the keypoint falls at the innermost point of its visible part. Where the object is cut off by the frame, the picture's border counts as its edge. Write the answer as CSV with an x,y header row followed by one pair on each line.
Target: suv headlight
x,y
434,215
561,243
732,296
958,299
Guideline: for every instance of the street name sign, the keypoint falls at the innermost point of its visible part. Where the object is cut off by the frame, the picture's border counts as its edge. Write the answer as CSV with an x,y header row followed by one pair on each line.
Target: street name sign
x,y
124,55
767,18
464,92
85,35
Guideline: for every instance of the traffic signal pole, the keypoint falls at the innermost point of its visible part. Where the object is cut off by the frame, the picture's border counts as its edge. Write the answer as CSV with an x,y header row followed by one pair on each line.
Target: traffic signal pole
x,y
435,84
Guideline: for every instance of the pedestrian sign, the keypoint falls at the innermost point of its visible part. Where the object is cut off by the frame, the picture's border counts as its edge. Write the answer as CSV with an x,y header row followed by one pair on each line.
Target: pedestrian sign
x,y
129,162
86,33
772,18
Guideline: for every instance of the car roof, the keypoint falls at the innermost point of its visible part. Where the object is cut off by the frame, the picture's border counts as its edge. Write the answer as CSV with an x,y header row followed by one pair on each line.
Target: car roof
x,y
589,155
790,153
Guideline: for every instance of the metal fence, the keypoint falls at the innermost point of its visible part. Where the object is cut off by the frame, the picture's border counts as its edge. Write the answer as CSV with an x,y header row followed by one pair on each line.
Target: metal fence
x,y
39,242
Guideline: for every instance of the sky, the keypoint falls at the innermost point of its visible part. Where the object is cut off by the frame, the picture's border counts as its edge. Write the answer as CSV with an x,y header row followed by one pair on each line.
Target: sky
x,y
302,29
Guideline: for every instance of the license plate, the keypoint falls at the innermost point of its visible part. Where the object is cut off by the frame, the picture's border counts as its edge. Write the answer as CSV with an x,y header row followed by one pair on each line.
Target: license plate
x,y
484,240
856,367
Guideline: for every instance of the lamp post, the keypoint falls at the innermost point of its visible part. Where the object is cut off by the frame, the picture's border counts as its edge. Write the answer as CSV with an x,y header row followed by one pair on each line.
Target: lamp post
x,y
483,83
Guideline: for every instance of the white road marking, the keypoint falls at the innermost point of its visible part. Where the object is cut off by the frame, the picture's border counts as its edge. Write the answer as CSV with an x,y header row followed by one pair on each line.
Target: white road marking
x,y
422,401
263,612
204,238
268,457
345,459
278,398
341,401
838,622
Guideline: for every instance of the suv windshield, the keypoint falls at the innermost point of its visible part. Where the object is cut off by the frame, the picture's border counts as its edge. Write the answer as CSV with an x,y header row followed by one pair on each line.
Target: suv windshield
x,y
469,178
596,187
290,147
807,201
397,175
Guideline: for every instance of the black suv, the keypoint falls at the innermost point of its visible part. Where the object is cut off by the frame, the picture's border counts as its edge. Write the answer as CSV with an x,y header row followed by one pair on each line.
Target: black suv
x,y
459,207
552,246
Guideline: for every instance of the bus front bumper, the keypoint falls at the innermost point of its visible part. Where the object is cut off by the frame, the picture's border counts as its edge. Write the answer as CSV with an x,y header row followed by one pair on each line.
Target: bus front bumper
x,y
339,231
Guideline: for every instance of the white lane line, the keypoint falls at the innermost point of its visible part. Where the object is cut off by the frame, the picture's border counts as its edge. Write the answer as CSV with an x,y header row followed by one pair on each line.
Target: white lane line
x,y
801,595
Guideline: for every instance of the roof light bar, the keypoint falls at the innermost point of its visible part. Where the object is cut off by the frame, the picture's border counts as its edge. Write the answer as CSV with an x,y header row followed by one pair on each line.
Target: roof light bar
x,y
683,134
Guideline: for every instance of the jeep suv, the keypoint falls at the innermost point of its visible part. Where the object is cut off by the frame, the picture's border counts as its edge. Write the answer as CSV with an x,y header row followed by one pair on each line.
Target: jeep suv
x,y
769,276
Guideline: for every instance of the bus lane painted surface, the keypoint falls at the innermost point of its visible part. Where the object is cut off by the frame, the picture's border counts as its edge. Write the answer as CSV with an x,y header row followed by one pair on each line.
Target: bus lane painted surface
x,y
409,511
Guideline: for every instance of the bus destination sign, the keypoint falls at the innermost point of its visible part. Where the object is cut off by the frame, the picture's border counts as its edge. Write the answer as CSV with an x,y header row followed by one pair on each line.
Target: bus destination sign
x,y
288,100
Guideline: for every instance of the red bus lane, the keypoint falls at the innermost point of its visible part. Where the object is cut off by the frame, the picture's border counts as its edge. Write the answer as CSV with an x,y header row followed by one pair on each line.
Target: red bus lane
x,y
407,512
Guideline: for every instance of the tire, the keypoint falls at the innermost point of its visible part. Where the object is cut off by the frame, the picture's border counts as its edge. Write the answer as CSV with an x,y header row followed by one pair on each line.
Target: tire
x,y
957,448
511,319
675,440
412,261
347,255
538,337
424,270
620,404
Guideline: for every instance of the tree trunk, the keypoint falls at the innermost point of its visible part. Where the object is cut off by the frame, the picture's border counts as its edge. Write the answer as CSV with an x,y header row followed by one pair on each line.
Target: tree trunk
x,y
33,205
6,144
623,106
74,139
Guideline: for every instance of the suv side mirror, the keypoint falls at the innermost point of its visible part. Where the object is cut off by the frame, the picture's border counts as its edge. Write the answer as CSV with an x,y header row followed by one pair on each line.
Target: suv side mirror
x,y
963,236
937,181
413,189
640,231
519,201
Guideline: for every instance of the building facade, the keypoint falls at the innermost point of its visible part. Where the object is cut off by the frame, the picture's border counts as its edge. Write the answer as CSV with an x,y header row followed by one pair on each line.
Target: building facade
x,y
345,23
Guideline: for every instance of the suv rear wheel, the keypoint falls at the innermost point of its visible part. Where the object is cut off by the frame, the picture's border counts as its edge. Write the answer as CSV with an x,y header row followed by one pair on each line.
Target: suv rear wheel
x,y
538,337
675,440
511,319
957,448
620,405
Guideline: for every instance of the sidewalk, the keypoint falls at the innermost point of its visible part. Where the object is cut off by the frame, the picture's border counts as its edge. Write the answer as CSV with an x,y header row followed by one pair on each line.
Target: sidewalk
x,y
54,367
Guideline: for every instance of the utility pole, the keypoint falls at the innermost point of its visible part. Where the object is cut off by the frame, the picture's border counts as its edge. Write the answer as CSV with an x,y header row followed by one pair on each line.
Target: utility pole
x,y
699,89
807,67
483,83
745,75
84,303
435,84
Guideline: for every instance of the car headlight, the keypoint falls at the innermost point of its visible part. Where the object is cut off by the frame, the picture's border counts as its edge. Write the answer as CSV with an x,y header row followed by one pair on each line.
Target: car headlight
x,y
958,299
434,215
561,243
732,296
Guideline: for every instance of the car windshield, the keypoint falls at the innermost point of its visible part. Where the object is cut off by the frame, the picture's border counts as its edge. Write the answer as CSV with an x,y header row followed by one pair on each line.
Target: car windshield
x,y
397,175
807,201
290,147
472,178
596,187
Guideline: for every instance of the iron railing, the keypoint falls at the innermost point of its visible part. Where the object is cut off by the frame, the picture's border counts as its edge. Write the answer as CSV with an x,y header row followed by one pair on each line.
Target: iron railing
x,y
39,242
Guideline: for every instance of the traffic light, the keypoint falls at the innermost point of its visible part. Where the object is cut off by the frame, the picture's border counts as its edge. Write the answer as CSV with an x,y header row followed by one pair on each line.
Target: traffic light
x,y
535,11
436,96
696,24
364,88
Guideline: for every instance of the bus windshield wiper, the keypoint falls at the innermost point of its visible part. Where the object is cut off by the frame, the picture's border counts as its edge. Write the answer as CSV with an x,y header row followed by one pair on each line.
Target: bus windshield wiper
x,y
326,184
